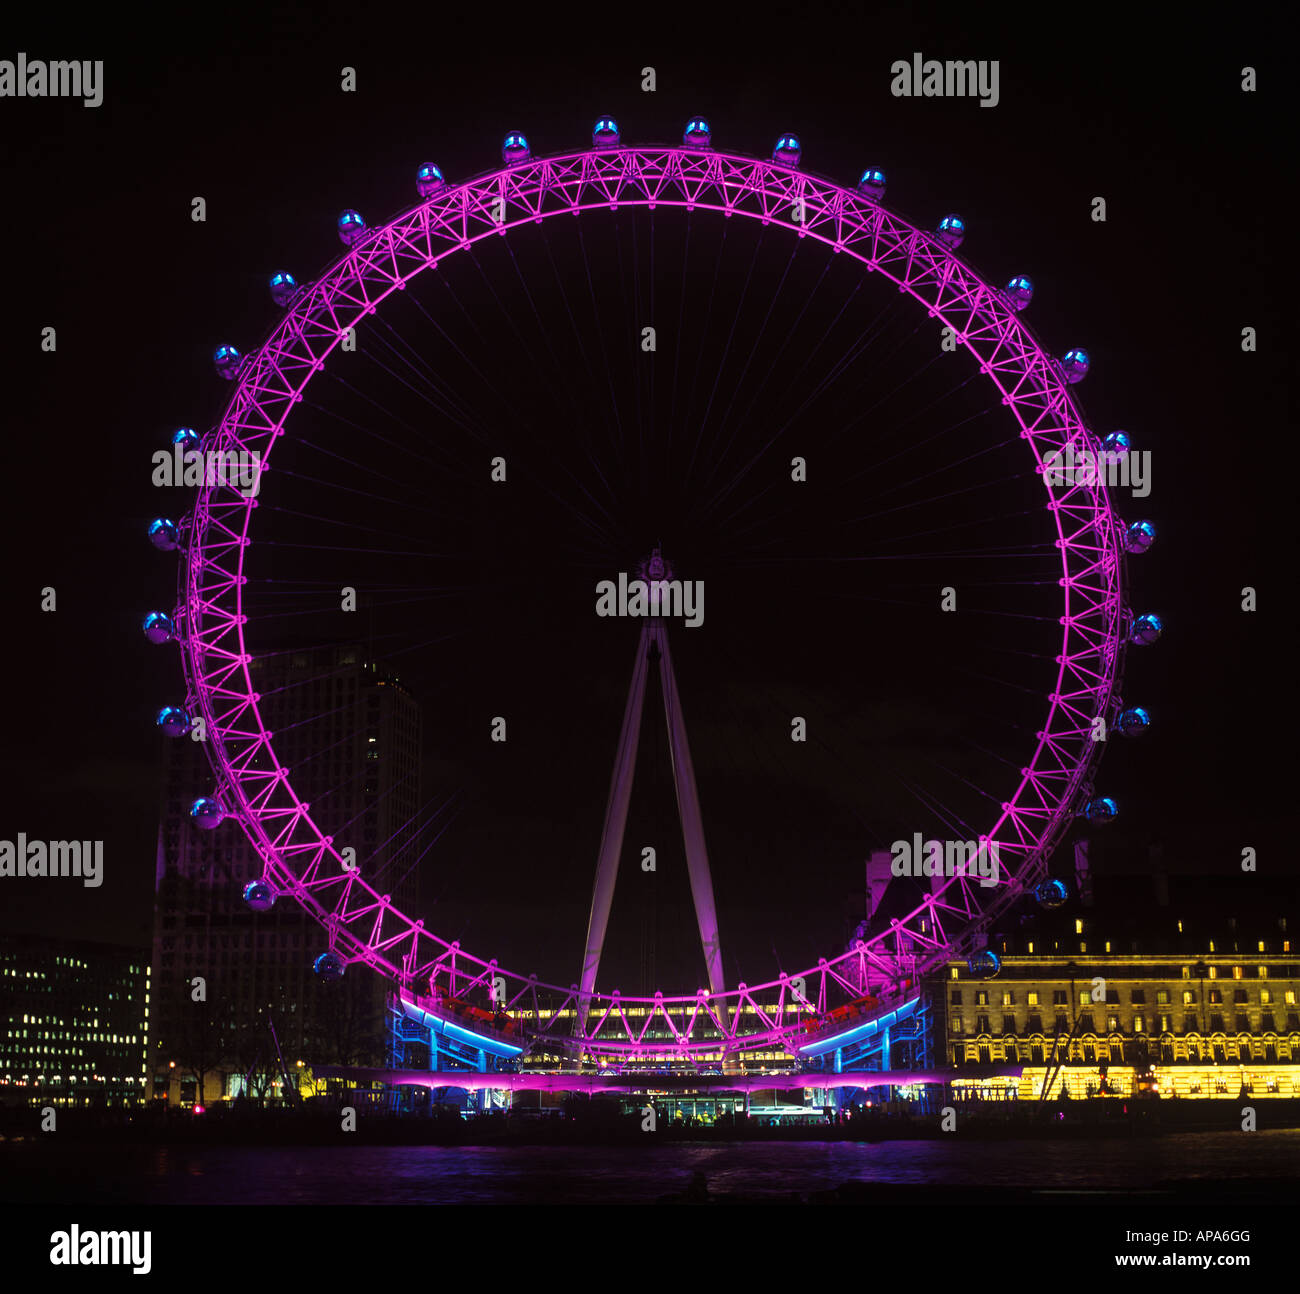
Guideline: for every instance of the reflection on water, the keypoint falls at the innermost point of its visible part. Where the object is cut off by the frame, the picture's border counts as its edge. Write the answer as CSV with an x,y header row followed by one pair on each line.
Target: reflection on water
x,y
44,1171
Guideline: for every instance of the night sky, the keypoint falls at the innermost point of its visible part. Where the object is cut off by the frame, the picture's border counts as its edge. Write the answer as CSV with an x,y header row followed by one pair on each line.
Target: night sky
x,y
251,117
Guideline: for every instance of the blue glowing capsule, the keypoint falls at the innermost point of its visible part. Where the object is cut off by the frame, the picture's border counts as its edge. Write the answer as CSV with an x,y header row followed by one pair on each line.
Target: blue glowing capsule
x,y
872,184
787,150
259,896
429,179
173,721
207,813
1051,893
951,231
1146,629
1117,442
605,133
1101,811
1139,536
158,628
186,437
328,966
1019,292
163,534
984,964
284,287
515,149
1134,722
227,361
697,133
351,226
1074,365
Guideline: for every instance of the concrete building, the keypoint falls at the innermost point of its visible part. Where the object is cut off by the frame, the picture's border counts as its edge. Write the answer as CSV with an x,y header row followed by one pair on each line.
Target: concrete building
x,y
73,1019
351,734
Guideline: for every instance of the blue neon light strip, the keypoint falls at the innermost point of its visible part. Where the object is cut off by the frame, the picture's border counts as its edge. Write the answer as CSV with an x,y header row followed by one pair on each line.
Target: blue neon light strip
x,y
490,1045
859,1031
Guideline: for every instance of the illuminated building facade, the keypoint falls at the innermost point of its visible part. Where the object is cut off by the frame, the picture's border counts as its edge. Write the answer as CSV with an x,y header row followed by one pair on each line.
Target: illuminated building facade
x,y
73,1020
352,733
1200,1008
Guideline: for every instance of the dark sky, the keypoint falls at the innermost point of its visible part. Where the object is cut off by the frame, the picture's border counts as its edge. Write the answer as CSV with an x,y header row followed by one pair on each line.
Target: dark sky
x,y
250,116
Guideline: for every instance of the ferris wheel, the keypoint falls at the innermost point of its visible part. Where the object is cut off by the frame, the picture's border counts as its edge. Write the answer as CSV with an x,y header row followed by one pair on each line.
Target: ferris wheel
x,y
859,241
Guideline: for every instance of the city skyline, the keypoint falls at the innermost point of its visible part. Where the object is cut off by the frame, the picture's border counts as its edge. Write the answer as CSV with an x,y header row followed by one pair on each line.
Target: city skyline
x,y
665,608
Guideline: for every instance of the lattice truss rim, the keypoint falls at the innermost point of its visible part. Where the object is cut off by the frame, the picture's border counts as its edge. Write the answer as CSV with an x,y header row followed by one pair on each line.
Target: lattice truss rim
x,y
363,925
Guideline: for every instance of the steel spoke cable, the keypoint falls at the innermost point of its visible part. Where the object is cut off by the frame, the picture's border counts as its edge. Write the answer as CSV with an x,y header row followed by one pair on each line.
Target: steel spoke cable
x,y
305,442
753,353
493,388
699,350
633,316
420,365
727,349
366,429
677,345
874,330
532,359
424,853
415,818
617,435
396,856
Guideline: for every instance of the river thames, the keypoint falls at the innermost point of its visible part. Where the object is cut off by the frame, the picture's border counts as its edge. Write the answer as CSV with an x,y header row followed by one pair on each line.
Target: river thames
x,y
49,1171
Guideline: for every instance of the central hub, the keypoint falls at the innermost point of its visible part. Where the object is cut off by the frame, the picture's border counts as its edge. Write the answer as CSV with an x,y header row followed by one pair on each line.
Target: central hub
x,y
654,569
654,591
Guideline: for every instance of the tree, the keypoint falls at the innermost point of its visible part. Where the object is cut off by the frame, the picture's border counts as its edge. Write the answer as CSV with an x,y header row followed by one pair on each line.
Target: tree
x,y
200,1044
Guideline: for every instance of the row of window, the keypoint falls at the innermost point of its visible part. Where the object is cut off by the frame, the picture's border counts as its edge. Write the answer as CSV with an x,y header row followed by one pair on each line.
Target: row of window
x,y
1191,1052
1138,997
1188,972
1191,1023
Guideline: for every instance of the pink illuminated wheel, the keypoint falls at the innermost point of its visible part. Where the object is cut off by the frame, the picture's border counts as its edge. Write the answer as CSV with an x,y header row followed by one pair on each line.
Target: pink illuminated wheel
x,y
252,786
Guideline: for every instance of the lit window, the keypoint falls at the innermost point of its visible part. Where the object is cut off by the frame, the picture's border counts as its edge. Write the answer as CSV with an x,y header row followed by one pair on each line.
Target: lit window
x,y
1078,925
1032,997
1262,971
1237,972
1214,970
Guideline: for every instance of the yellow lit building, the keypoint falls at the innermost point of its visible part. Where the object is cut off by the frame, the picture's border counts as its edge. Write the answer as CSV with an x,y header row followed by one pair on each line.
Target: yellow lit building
x,y
1104,1022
